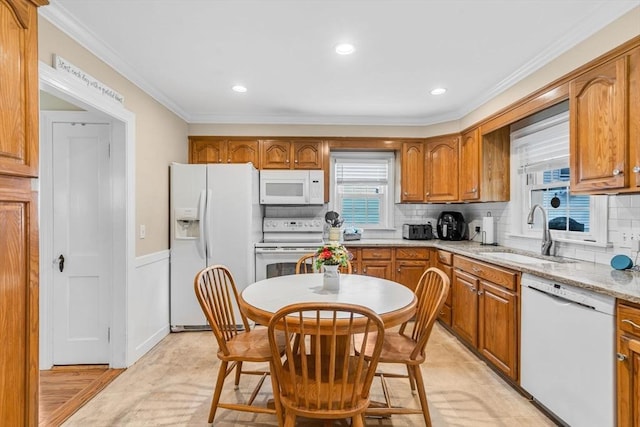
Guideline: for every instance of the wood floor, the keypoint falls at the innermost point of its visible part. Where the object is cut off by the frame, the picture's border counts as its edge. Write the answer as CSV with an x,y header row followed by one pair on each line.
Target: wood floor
x,y
64,389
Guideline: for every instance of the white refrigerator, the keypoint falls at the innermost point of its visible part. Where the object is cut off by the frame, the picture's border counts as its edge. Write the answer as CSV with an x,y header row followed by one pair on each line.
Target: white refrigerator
x,y
215,218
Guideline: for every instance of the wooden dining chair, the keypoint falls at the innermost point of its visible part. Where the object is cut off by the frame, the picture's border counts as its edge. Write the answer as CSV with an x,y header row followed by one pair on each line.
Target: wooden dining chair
x,y
306,265
323,379
237,343
407,346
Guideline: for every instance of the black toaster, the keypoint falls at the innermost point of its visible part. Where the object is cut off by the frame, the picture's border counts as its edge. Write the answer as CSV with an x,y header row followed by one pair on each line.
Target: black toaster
x,y
417,231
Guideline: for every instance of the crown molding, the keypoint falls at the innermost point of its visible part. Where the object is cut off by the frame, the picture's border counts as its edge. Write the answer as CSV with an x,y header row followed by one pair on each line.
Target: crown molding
x,y
605,14
61,18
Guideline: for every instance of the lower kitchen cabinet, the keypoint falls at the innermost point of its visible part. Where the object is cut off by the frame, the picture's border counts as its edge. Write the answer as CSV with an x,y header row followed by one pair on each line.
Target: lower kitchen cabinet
x,y
377,262
410,263
444,261
485,311
628,369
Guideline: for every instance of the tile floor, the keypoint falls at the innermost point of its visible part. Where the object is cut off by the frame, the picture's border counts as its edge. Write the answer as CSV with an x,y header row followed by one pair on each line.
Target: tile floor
x,y
172,386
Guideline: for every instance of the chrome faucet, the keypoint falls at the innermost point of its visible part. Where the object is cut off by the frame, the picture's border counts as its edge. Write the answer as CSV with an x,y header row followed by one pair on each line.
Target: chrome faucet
x,y
546,234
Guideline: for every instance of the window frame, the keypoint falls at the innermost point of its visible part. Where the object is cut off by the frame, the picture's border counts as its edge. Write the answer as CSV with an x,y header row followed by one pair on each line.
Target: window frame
x,y
521,192
387,208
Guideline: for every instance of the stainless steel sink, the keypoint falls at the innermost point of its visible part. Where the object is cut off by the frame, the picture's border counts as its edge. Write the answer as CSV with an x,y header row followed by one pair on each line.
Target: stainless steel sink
x,y
518,258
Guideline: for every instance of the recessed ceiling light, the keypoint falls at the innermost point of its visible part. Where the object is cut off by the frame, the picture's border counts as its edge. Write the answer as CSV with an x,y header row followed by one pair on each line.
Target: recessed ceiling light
x,y
438,91
345,49
239,88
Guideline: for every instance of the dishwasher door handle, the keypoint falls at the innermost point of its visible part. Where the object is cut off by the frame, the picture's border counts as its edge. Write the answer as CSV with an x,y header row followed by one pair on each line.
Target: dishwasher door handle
x,y
558,297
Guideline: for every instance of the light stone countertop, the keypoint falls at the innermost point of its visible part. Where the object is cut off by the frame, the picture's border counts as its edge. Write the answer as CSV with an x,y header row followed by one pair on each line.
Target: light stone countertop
x,y
600,278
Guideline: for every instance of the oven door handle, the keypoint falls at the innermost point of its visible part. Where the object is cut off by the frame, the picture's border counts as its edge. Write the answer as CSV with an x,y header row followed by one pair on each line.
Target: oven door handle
x,y
284,251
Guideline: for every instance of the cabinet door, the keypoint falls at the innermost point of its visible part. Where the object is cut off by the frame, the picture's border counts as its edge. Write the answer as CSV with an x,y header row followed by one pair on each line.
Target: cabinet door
x,y
18,88
208,151
243,152
307,154
274,154
381,269
497,327
470,165
598,128
628,381
634,113
464,319
18,303
412,180
441,170
448,270
408,272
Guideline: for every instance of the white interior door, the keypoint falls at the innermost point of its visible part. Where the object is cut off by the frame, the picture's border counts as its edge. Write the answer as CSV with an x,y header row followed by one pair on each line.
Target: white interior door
x,y
82,237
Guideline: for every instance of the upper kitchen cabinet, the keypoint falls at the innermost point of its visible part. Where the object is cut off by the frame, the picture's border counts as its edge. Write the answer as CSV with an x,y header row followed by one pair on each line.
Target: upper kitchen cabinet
x,y
19,87
223,150
604,129
412,175
285,154
484,166
441,169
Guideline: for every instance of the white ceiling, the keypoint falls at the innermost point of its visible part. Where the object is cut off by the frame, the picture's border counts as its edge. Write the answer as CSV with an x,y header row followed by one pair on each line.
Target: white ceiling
x,y
188,54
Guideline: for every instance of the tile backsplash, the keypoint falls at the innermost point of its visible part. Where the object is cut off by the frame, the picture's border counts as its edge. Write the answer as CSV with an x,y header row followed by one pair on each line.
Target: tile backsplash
x,y
624,225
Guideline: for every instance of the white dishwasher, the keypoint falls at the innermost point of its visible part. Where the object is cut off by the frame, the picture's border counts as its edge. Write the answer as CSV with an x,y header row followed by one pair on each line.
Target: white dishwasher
x,y
567,351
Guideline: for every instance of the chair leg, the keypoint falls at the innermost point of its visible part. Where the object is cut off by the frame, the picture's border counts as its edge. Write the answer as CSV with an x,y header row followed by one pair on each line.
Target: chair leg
x,y
357,420
290,420
412,380
218,390
236,384
422,394
276,394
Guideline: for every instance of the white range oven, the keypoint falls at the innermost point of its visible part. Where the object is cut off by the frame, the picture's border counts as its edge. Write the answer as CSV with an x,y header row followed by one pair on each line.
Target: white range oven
x,y
285,241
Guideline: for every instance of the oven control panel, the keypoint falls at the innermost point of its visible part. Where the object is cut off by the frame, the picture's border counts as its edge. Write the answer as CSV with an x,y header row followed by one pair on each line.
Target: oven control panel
x,y
294,225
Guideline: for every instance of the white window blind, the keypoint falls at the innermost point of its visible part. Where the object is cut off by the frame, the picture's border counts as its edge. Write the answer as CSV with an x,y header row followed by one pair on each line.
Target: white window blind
x,y
543,146
362,188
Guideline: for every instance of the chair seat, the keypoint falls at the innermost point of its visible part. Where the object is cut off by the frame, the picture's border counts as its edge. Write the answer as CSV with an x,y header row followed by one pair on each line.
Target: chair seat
x,y
252,346
396,348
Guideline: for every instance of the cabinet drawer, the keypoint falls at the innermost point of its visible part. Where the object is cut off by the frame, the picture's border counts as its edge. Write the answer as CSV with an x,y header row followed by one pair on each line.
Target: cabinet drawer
x,y
376,253
445,258
412,253
629,319
498,275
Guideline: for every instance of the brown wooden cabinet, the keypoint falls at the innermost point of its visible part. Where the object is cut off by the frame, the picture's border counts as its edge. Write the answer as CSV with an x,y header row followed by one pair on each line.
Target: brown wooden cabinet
x,y
409,265
18,212
485,311
377,262
444,261
604,133
628,369
412,174
223,150
484,166
288,154
441,169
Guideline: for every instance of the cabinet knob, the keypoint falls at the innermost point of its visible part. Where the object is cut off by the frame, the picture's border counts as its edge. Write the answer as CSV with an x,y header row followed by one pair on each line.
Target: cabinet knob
x,y
621,357
406,194
474,190
636,169
427,193
616,172
480,292
228,160
398,270
295,161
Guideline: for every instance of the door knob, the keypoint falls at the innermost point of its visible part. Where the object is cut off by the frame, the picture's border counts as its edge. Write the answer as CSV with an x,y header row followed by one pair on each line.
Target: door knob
x,y
61,263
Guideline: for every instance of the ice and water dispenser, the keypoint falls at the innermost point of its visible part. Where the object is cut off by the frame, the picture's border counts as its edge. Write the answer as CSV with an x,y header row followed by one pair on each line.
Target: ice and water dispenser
x,y
187,224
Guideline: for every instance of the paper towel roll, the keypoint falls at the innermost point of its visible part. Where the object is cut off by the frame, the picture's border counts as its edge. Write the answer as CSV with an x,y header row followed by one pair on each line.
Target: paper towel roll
x,y
488,230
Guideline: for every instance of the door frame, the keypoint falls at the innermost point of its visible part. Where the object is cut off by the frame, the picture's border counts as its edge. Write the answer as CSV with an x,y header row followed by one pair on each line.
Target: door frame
x,y
123,211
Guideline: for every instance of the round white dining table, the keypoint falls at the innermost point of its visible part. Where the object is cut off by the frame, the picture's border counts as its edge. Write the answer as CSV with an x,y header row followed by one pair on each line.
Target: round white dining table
x,y
393,302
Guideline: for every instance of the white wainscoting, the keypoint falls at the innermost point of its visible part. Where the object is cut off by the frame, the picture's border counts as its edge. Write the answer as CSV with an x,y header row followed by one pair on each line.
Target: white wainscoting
x,y
149,304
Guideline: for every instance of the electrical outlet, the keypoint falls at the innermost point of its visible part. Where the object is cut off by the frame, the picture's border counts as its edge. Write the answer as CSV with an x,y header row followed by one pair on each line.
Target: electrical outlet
x,y
635,245
477,228
143,231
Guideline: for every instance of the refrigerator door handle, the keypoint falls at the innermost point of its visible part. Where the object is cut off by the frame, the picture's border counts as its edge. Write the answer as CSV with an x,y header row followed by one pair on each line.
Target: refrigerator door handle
x,y
208,227
201,239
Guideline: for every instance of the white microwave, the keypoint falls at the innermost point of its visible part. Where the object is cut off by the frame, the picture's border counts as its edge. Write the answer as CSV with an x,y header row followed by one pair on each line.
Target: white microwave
x,y
291,187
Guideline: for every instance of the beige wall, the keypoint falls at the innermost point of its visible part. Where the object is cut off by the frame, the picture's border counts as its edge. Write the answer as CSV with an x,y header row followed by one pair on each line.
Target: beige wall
x,y
161,136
